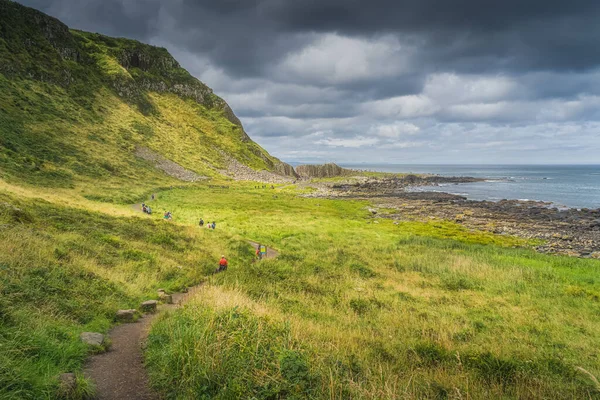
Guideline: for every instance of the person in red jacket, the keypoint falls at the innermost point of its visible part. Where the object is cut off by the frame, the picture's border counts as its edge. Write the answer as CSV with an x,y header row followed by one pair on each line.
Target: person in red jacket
x,y
222,264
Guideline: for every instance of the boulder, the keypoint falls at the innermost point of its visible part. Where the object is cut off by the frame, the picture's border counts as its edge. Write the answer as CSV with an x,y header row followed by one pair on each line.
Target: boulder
x,y
92,338
125,315
149,306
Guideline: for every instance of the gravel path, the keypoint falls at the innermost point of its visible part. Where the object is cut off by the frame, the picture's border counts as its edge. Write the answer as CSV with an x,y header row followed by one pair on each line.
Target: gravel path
x,y
119,374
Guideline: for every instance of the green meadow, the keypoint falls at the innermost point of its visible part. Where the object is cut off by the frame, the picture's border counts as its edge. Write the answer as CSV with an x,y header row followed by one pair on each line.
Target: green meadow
x,y
357,307
354,306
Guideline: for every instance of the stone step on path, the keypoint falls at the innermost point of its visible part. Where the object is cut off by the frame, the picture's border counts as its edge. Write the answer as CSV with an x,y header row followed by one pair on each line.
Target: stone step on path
x,y
119,374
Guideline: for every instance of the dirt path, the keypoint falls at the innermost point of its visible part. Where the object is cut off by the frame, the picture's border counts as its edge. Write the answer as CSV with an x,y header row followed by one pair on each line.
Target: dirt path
x,y
270,252
119,374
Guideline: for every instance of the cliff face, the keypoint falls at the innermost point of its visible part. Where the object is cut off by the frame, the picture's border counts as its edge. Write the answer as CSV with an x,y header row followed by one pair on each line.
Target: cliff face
x,y
80,71
321,171
285,169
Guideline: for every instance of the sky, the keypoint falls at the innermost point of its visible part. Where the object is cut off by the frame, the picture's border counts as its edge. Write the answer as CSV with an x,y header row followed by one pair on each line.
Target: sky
x,y
384,81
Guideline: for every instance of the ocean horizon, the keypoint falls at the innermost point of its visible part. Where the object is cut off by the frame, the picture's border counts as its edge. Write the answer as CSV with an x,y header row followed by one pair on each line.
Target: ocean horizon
x,y
564,185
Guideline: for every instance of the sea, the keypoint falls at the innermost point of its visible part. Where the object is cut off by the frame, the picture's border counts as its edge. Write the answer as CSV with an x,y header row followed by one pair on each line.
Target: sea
x,y
565,186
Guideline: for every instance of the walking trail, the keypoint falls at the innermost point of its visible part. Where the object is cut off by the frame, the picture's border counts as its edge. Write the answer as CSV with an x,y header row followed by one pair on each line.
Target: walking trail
x,y
119,374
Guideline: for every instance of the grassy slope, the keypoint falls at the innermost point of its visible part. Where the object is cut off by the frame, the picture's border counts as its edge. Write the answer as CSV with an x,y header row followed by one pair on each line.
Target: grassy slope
x,y
74,121
363,310
349,309
64,270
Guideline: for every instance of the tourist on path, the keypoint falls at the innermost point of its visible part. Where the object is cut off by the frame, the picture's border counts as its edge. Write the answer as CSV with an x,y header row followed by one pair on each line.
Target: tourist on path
x,y
222,264
201,222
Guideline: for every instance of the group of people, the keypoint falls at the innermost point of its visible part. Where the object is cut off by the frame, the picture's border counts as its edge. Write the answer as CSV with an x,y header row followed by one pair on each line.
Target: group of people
x,y
146,208
261,251
209,225
168,215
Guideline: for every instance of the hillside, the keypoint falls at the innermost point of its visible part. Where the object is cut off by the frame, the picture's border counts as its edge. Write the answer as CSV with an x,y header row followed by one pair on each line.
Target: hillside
x,y
75,107
357,304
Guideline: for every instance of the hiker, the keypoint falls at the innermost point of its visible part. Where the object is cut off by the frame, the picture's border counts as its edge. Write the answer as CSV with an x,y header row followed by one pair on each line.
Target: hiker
x,y
222,264
201,222
153,196
213,225
148,210
258,253
143,208
168,215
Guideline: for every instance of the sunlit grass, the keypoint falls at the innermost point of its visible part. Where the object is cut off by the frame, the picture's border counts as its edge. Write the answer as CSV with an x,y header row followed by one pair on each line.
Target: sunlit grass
x,y
415,310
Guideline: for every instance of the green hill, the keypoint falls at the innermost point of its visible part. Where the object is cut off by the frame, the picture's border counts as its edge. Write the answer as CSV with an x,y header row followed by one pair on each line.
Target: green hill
x,y
355,306
75,106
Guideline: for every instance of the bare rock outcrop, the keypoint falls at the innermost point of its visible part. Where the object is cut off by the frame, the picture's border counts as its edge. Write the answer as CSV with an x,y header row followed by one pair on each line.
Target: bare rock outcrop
x,y
241,172
285,169
328,170
167,166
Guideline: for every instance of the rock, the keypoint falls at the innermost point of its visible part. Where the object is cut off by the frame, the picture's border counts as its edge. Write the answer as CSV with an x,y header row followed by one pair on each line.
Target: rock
x,y
125,315
67,384
92,338
149,306
165,298
161,291
321,171
167,166
285,169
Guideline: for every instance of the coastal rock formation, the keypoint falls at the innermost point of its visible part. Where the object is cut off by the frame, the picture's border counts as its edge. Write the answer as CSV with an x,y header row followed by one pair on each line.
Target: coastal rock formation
x,y
241,172
328,170
394,184
562,231
285,169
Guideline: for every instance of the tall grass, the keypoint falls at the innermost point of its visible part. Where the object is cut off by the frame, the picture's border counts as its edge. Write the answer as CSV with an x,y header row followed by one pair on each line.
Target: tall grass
x,y
65,270
378,310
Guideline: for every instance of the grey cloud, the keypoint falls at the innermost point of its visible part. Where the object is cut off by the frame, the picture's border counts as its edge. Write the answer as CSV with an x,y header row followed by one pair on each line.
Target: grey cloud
x,y
315,78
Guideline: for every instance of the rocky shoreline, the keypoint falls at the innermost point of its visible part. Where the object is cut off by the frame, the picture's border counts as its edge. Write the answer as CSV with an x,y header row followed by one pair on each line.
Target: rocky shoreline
x,y
570,232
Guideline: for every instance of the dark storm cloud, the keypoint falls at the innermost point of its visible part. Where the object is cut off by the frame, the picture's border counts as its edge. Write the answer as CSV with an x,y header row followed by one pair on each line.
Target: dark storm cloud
x,y
401,79
246,36
111,17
